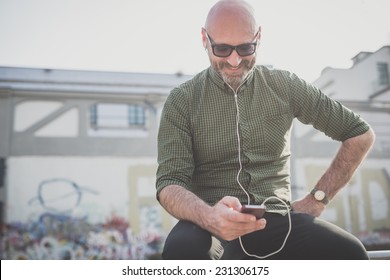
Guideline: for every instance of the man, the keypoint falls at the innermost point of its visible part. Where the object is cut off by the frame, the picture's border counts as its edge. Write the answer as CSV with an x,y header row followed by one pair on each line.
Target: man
x,y
224,142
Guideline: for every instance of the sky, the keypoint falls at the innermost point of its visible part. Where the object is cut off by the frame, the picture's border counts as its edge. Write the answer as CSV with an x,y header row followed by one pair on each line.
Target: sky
x,y
153,36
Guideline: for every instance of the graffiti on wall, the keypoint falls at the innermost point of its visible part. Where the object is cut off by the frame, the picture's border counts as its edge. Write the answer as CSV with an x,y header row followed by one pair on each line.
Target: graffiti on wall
x,y
60,195
59,234
55,236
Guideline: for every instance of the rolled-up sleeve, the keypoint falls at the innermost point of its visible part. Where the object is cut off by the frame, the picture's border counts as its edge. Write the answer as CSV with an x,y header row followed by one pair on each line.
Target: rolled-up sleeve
x,y
311,106
175,156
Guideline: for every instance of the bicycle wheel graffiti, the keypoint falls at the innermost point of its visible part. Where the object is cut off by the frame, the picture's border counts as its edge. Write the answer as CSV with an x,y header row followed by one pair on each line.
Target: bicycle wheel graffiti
x,y
59,233
60,195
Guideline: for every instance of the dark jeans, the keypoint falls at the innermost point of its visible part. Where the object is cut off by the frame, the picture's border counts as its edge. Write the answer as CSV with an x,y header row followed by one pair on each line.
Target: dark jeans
x,y
310,239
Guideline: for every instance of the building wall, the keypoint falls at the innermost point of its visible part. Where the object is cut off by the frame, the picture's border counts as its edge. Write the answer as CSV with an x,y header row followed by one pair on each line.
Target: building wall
x,y
80,163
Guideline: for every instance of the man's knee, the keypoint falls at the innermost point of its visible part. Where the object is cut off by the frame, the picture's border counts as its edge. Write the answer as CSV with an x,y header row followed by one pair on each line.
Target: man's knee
x,y
187,241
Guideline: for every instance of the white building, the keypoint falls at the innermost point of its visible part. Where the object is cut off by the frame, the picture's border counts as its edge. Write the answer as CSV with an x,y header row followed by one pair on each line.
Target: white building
x,y
367,80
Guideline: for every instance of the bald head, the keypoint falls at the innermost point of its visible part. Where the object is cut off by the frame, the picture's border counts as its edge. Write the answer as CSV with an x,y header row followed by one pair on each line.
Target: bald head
x,y
231,16
232,23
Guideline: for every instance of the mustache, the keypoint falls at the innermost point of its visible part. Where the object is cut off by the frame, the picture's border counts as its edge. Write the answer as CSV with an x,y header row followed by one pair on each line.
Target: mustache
x,y
245,63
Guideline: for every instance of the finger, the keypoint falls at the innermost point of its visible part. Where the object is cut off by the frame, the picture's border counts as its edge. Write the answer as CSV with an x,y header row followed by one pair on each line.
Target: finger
x,y
262,223
246,228
231,202
258,225
238,217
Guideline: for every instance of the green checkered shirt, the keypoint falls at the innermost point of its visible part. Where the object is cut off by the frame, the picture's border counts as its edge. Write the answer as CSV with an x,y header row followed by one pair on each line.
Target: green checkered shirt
x,y
198,142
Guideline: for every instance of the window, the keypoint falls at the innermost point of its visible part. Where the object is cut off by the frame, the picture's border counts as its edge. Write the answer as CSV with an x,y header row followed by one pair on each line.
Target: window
x,y
383,73
117,116
136,115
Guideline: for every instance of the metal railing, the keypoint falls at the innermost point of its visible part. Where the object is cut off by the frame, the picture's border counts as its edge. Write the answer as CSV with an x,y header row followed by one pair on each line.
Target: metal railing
x,y
379,255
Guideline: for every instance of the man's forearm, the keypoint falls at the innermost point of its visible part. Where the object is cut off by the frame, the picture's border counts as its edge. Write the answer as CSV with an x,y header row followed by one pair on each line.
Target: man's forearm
x,y
348,158
183,204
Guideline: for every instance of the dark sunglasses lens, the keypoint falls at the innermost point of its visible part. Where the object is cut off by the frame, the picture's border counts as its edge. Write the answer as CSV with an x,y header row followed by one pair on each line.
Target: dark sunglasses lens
x,y
226,50
222,50
246,49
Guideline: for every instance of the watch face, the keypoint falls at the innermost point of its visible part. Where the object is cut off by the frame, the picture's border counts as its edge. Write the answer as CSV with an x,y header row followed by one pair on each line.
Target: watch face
x,y
319,195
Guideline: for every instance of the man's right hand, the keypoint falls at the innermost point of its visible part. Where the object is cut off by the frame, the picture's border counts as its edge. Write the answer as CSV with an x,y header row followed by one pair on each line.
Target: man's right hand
x,y
226,221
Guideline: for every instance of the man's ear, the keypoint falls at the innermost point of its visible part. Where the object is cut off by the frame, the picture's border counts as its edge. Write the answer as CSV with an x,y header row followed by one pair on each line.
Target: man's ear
x,y
204,38
259,34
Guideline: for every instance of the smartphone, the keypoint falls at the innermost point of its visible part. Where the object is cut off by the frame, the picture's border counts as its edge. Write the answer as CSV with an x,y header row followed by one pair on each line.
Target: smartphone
x,y
256,210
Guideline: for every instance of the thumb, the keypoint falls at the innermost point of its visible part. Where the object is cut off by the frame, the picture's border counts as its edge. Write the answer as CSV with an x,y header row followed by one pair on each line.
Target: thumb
x,y
231,202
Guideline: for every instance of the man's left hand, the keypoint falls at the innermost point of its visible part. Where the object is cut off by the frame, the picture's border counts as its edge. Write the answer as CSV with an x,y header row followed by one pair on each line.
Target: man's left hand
x,y
308,205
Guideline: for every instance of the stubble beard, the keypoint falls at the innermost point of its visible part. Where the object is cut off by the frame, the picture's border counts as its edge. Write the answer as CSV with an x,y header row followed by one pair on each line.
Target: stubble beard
x,y
234,80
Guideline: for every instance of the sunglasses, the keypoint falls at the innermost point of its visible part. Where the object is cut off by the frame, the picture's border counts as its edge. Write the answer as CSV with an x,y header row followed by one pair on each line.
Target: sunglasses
x,y
225,50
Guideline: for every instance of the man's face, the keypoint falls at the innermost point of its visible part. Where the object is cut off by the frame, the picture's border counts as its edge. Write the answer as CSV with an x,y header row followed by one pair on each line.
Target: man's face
x,y
233,68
